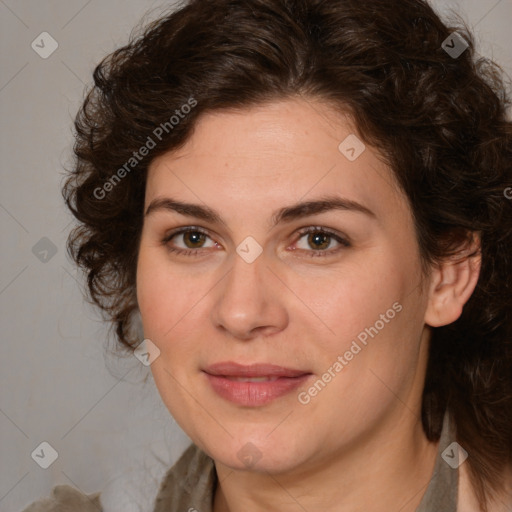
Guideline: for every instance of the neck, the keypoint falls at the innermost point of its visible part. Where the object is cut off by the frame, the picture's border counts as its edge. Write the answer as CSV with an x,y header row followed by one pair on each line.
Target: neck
x,y
353,480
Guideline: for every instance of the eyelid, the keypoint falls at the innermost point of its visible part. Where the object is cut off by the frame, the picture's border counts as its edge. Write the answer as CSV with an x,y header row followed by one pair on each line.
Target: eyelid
x,y
342,240
185,229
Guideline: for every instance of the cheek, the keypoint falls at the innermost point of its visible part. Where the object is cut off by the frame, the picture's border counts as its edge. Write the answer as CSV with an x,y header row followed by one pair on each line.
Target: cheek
x,y
166,305
172,301
353,300
157,293
375,318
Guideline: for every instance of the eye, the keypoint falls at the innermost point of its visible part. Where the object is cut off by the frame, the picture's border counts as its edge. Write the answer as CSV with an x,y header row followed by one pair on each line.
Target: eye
x,y
192,239
320,240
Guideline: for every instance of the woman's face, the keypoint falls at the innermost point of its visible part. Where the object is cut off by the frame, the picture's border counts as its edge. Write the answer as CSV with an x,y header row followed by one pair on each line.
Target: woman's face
x,y
337,312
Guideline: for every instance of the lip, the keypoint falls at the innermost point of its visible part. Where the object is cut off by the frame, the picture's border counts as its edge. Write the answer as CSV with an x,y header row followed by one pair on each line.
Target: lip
x,y
226,380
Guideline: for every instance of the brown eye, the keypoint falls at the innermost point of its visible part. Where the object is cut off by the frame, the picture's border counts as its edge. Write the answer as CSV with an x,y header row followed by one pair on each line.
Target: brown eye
x,y
188,241
319,241
193,238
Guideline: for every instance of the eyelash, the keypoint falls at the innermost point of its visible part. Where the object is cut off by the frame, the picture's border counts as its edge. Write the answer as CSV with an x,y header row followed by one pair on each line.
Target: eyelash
x,y
306,231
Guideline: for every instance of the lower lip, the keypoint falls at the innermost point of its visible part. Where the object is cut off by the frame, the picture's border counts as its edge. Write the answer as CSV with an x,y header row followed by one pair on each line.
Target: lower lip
x,y
254,394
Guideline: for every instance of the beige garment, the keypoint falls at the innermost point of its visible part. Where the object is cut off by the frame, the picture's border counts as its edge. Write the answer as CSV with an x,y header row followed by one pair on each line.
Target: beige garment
x,y
189,486
67,499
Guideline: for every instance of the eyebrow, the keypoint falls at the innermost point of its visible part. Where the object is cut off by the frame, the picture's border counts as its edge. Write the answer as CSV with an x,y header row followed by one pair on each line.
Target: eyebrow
x,y
287,214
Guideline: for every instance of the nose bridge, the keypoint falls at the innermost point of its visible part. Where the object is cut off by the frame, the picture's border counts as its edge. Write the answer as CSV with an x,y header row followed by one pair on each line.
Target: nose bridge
x,y
244,285
245,302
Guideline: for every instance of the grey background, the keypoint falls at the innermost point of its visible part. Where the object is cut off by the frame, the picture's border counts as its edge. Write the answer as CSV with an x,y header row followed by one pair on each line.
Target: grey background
x,y
59,381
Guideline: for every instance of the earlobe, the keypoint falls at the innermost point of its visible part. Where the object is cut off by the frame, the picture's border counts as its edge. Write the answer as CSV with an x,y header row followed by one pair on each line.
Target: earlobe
x,y
451,284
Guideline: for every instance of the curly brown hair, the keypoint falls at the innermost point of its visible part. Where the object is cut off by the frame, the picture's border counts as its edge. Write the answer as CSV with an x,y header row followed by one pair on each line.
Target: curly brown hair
x,y
440,122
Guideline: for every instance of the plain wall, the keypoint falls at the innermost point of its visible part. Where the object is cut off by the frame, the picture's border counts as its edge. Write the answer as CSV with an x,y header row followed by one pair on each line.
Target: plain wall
x,y
110,429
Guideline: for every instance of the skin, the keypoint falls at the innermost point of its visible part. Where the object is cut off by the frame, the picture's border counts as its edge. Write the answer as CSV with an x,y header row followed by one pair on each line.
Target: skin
x,y
358,444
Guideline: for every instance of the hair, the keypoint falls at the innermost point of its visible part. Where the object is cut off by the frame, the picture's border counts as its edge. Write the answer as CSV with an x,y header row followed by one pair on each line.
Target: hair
x,y
439,122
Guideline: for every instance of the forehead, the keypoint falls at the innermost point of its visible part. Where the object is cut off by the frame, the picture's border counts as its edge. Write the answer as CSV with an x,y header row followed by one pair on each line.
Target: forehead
x,y
275,152
276,130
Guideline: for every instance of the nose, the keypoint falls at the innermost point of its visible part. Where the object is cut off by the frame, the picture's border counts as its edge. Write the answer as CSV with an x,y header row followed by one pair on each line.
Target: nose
x,y
250,300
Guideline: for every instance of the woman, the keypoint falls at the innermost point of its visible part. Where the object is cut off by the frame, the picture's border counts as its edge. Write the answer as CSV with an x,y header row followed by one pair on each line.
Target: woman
x,y
308,204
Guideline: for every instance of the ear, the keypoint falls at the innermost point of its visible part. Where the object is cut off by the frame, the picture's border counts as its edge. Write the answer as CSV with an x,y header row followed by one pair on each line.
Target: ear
x,y
451,284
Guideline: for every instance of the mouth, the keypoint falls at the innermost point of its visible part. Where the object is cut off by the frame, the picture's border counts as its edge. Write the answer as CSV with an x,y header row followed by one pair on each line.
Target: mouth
x,y
250,379
253,385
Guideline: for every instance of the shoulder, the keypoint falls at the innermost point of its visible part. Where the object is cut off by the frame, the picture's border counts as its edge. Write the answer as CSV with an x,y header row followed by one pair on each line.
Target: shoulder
x,y
192,479
67,499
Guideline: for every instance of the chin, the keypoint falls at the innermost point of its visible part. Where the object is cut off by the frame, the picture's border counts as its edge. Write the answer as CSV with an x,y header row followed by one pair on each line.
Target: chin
x,y
258,453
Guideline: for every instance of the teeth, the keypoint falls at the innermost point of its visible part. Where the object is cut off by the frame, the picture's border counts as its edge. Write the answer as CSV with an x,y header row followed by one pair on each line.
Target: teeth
x,y
253,379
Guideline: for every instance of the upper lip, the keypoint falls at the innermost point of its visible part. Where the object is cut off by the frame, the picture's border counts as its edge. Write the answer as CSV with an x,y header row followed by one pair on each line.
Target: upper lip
x,y
230,369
